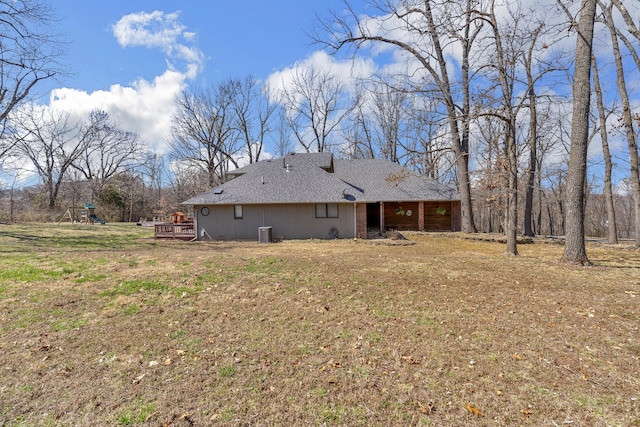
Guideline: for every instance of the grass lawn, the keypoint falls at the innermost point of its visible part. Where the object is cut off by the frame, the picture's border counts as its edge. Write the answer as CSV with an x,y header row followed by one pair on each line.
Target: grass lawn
x,y
104,326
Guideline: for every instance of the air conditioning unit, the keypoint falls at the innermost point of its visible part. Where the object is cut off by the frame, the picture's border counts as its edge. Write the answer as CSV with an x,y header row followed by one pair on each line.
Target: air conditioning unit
x,y
265,235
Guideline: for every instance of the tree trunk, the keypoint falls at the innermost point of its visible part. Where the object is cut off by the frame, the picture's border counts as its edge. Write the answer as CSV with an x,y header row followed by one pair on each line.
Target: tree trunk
x,y
468,225
508,117
574,250
539,212
464,188
531,172
612,231
627,121
512,197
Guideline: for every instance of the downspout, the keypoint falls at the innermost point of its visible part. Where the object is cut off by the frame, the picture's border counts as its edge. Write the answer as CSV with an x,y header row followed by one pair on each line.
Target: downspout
x,y
355,221
195,224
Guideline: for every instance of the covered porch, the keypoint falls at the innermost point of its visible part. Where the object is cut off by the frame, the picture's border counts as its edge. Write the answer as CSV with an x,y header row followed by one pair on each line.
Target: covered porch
x,y
413,216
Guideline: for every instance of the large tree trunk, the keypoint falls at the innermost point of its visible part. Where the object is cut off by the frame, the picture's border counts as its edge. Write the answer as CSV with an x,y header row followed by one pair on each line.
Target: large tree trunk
x,y
627,121
460,143
461,150
574,250
533,140
612,230
464,185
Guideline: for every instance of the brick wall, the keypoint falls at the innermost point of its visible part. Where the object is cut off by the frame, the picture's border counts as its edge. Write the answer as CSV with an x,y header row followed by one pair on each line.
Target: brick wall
x,y
361,220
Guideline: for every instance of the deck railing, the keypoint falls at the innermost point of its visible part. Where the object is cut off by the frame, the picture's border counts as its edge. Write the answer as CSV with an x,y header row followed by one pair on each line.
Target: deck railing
x,y
184,231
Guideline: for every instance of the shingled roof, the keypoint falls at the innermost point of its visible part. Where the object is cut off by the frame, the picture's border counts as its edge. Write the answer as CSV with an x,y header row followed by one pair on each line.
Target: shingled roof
x,y
318,178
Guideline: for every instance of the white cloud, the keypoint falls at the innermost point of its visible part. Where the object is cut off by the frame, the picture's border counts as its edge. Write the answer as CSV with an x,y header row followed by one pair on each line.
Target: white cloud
x,y
144,107
157,30
348,72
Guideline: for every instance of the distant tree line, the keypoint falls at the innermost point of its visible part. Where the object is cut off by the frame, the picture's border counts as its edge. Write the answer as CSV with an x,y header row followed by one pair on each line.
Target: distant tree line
x,y
508,120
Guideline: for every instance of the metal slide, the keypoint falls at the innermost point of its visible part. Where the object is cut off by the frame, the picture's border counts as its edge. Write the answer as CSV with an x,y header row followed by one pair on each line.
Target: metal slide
x,y
96,219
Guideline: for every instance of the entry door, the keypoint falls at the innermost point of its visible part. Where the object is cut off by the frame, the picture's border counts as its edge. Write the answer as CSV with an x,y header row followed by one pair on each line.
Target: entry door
x,y
373,216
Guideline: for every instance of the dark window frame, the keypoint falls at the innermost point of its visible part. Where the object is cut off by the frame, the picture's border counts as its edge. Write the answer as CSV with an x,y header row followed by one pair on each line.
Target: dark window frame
x,y
327,211
235,212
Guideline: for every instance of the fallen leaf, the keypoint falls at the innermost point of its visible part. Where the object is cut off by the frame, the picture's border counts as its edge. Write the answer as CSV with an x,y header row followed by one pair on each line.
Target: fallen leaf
x,y
138,379
474,410
526,412
410,360
426,409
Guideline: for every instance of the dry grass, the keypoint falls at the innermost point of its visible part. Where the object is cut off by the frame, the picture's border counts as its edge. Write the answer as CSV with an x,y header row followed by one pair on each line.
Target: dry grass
x,y
445,331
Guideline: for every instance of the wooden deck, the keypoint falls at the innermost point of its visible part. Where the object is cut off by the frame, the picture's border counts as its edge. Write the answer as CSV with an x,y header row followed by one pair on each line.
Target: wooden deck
x,y
184,231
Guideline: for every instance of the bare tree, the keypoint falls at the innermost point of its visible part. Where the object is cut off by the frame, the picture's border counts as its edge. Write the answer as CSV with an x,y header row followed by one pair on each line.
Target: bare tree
x,y
503,63
186,182
28,55
533,136
153,169
359,134
315,104
428,151
612,230
398,123
627,117
574,249
490,175
108,149
624,208
411,27
252,111
552,123
510,48
282,133
52,141
202,131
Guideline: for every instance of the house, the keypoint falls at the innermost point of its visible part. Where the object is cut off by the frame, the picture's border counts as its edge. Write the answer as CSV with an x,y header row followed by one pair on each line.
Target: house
x,y
313,195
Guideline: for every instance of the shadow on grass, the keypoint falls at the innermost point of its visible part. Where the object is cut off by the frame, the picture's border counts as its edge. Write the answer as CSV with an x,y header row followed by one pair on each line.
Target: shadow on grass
x,y
22,238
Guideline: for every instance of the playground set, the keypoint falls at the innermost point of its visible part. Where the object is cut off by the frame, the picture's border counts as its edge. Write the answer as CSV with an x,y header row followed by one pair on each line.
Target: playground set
x,y
82,214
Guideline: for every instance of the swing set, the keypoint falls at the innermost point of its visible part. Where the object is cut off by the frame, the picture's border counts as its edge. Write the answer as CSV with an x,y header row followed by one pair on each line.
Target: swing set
x,y
82,214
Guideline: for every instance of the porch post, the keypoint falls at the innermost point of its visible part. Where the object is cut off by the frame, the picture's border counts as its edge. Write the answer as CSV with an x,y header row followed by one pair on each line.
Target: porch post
x,y
421,216
360,220
381,217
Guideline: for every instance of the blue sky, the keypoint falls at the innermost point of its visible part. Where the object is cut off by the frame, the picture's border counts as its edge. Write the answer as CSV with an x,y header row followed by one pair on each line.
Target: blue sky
x,y
236,38
131,58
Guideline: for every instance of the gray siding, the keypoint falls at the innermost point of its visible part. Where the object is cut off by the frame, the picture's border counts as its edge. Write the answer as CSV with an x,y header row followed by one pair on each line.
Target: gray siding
x,y
295,221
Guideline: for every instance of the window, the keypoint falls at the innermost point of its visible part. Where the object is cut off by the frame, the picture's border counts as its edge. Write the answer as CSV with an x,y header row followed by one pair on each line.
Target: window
x,y
326,210
237,212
